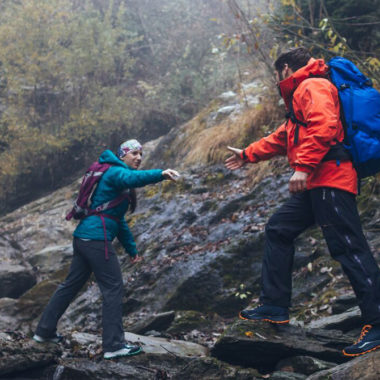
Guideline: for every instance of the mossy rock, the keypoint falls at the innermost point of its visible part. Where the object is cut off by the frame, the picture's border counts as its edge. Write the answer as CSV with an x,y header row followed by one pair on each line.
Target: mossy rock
x,y
152,191
188,320
31,304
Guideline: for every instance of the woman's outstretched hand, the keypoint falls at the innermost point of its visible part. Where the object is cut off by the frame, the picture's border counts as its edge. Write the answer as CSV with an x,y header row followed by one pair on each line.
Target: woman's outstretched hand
x,y
136,259
171,174
235,161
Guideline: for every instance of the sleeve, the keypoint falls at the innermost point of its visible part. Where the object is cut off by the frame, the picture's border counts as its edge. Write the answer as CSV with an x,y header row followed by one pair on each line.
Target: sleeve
x,y
267,147
320,110
127,178
126,238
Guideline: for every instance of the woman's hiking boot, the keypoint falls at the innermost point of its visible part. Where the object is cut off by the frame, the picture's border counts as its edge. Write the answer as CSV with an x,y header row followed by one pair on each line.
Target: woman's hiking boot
x,y
369,340
53,339
127,350
267,313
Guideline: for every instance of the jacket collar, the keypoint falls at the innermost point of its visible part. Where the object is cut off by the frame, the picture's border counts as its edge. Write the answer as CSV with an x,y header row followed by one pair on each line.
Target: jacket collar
x,y
315,67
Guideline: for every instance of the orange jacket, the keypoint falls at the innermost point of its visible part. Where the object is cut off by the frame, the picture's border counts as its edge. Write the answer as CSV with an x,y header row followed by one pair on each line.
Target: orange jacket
x,y
316,103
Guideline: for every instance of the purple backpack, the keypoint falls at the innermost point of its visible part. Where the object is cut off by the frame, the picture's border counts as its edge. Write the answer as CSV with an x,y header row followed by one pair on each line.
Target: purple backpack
x,y
81,208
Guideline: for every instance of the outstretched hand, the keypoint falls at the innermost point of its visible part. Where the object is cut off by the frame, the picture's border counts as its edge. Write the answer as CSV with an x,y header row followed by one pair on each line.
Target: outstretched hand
x,y
136,259
235,161
171,174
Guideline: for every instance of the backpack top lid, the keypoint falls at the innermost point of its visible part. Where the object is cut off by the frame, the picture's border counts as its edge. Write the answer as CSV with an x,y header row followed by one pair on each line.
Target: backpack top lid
x,y
344,72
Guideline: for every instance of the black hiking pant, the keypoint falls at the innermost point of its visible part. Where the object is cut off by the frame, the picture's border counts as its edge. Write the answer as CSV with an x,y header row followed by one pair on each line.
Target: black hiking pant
x,y
336,213
89,256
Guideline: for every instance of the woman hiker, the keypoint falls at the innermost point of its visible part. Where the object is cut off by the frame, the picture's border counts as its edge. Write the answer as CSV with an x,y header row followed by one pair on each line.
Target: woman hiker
x,y
93,251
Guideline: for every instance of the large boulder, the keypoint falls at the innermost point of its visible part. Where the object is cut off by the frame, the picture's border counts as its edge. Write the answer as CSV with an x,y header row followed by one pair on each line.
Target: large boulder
x,y
262,345
345,321
15,280
366,367
19,354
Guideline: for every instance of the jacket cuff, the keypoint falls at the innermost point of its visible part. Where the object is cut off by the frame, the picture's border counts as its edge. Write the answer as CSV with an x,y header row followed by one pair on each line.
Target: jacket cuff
x,y
132,251
303,168
244,156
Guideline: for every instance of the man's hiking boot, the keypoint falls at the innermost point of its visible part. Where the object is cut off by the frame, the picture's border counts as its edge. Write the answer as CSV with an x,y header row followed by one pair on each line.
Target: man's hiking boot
x,y
54,339
272,314
369,340
127,350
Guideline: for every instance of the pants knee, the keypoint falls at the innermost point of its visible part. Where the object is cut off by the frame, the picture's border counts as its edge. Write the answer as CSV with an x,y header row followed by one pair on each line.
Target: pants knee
x,y
274,231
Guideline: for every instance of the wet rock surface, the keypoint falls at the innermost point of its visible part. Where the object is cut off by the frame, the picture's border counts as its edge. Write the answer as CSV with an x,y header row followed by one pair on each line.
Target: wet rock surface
x,y
262,345
202,242
18,354
15,280
363,368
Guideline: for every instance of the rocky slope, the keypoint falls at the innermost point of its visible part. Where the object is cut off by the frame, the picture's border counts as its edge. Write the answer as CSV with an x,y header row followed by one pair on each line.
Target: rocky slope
x,y
202,240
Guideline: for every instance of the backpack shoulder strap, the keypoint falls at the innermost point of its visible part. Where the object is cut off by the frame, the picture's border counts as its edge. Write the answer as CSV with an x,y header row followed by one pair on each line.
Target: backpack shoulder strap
x,y
292,116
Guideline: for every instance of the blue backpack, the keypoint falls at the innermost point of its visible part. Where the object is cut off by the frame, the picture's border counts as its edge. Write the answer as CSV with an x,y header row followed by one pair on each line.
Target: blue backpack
x,y
360,113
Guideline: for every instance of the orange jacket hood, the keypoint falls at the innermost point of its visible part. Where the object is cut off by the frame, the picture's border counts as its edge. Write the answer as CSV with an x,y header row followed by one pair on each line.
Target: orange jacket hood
x,y
315,67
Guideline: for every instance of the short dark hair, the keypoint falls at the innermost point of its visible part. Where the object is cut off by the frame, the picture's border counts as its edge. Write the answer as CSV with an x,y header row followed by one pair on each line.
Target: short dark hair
x,y
295,58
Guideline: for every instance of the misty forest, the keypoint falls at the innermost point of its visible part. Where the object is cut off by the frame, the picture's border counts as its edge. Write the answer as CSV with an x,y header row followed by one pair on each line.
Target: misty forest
x,y
186,78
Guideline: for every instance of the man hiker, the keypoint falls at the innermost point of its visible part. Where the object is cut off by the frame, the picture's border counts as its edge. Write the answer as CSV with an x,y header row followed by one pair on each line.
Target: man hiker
x,y
323,189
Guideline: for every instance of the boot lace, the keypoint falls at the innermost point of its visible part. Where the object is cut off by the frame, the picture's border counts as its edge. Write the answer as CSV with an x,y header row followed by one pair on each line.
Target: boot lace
x,y
364,332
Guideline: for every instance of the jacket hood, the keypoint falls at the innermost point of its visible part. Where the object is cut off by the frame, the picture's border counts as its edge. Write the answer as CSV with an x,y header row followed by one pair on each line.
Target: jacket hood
x,y
315,67
110,158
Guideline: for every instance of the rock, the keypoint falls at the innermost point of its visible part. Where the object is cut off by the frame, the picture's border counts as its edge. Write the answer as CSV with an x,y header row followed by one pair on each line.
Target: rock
x,y
303,364
222,112
18,354
213,369
21,313
228,95
161,357
345,321
253,100
15,280
123,368
188,320
343,303
52,258
262,345
152,345
85,339
251,85
158,322
365,367
279,375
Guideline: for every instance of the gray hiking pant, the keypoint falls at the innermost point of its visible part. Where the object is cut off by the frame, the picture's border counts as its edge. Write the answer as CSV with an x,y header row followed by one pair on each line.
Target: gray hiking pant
x,y
89,256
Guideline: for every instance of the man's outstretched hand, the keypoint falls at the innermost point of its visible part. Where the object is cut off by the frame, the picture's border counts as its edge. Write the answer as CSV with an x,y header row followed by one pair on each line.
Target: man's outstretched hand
x,y
235,161
297,182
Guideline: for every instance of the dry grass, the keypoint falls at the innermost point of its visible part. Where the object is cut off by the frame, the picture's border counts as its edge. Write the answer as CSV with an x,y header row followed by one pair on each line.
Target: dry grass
x,y
208,145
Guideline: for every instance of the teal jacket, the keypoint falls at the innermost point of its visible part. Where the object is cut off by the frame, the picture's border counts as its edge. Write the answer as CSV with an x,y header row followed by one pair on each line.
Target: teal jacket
x,y
116,179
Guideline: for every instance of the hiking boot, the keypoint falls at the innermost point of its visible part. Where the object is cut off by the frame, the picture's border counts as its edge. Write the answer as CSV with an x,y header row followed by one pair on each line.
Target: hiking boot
x,y
369,340
127,350
272,314
54,339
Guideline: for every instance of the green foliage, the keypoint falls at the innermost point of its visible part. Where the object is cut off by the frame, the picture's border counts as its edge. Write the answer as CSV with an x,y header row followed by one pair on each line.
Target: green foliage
x,y
86,73
330,28
242,292
64,69
58,60
326,27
